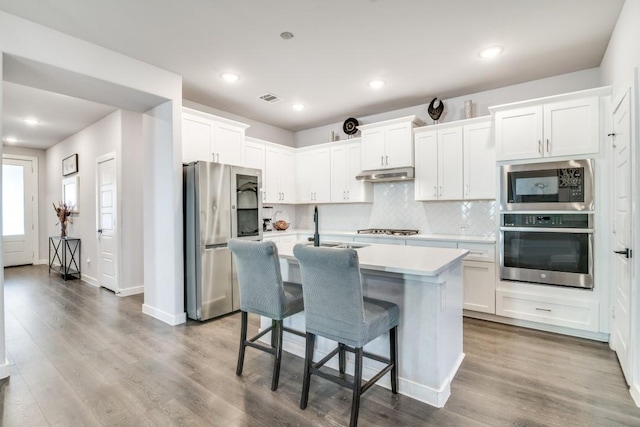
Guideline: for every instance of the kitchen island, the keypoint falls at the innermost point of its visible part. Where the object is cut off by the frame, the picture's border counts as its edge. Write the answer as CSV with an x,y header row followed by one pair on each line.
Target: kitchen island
x,y
426,283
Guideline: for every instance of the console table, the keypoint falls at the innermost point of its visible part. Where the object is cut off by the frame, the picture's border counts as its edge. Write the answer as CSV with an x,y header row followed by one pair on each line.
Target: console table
x,y
67,252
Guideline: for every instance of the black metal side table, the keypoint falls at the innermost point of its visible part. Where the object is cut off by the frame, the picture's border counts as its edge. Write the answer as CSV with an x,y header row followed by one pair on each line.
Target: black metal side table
x,y
67,252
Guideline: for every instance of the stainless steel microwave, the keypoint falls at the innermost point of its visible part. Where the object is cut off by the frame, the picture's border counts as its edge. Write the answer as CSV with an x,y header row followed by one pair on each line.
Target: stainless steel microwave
x,y
552,186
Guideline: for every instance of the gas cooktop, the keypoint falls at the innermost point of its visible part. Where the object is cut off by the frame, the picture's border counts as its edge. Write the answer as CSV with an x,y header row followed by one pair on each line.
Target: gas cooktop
x,y
388,231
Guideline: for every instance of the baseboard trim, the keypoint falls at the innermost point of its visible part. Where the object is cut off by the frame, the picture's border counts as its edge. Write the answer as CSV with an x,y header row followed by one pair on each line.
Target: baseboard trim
x,y
596,336
635,393
4,369
133,290
89,280
171,319
41,262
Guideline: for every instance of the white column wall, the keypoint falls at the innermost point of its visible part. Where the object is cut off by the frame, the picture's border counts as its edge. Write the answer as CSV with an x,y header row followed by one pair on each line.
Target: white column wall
x,y
163,264
4,363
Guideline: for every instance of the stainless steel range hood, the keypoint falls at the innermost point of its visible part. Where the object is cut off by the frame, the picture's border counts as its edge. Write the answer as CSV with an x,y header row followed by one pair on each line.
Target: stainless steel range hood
x,y
385,175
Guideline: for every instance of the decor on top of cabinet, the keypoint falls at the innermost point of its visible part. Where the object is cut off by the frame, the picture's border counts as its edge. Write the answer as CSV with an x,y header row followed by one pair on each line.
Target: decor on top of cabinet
x,y
350,126
63,212
436,107
468,109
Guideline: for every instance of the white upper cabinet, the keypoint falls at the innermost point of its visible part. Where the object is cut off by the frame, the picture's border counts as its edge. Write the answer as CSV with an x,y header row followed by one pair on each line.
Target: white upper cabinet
x,y
254,154
313,175
569,127
388,144
455,161
279,175
345,165
479,161
210,138
439,164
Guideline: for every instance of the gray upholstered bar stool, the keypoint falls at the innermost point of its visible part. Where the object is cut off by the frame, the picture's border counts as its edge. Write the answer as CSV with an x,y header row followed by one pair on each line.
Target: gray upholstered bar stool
x,y
336,308
263,292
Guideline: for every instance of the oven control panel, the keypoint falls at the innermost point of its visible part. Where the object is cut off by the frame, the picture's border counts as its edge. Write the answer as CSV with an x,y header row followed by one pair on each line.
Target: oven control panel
x,y
547,220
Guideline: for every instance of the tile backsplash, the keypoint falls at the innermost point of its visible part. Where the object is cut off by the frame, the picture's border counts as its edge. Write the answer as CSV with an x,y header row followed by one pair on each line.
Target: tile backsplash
x,y
394,207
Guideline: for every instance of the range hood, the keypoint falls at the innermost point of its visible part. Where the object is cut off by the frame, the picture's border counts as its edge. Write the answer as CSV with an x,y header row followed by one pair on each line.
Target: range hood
x,y
386,175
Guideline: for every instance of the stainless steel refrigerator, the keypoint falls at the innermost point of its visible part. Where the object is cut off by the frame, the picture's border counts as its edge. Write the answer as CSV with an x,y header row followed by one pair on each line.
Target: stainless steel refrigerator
x,y
220,202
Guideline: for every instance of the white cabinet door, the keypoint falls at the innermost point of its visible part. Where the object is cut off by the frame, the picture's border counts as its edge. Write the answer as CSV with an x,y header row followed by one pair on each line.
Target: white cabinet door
x,y
479,162
426,181
279,176
322,175
357,191
304,177
254,155
450,164
287,165
479,281
398,145
227,144
339,170
572,127
313,175
519,133
196,139
373,148
345,165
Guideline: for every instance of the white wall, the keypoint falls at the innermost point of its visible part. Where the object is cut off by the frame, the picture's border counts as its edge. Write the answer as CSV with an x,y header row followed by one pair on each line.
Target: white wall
x,y
100,138
256,129
131,164
621,58
454,107
44,207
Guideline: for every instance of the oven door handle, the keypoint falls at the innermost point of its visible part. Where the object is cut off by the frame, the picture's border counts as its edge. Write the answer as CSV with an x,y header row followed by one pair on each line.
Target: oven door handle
x,y
549,230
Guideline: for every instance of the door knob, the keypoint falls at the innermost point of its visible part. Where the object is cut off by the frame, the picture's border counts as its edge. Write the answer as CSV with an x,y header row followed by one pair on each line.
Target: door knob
x,y
100,230
626,252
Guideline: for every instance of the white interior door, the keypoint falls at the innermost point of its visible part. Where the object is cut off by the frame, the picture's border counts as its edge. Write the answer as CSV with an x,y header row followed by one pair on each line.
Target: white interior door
x,y
18,199
622,274
107,229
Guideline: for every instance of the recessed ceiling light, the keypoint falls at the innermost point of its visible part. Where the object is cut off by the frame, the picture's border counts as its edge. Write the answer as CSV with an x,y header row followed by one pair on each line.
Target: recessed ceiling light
x,y
230,77
298,107
11,140
491,52
377,84
31,121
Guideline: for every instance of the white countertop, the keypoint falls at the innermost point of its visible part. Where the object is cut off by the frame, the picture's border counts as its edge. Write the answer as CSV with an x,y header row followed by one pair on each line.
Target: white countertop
x,y
352,234
416,260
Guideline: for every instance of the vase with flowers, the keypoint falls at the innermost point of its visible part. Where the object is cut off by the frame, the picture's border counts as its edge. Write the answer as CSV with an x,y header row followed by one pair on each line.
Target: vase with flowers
x,y
63,211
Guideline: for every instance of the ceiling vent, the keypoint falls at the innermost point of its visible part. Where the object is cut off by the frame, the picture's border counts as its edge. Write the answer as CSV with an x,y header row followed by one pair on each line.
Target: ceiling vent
x,y
271,98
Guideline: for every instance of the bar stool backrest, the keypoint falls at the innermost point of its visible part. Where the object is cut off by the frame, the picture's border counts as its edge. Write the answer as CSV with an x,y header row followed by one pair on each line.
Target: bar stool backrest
x,y
332,292
259,278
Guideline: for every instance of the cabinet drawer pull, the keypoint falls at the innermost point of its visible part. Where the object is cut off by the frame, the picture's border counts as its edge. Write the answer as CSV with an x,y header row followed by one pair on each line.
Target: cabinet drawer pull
x,y
348,195
387,160
548,310
540,146
548,146
435,191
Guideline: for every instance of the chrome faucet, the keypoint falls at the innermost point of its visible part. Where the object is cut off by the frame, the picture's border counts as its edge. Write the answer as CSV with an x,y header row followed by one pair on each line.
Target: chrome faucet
x,y
316,236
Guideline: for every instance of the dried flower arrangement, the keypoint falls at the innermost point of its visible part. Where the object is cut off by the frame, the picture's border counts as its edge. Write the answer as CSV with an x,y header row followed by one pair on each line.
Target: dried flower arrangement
x,y
63,211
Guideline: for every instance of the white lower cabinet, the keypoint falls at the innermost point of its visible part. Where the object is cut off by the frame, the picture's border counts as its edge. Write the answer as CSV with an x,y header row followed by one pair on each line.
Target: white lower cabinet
x,y
569,313
479,281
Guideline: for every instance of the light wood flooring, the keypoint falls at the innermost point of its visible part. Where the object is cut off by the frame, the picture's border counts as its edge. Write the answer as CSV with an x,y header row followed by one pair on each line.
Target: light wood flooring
x,y
80,356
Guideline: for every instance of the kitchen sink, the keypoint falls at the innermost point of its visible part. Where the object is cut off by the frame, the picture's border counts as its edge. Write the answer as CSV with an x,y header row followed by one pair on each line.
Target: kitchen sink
x,y
341,245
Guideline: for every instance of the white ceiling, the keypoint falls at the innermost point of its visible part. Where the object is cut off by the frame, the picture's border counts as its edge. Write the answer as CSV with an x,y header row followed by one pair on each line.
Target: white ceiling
x,y
422,48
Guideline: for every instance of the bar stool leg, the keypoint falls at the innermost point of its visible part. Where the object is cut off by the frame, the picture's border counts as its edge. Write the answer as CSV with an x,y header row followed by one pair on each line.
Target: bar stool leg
x,y
393,350
308,361
277,332
341,358
357,388
243,340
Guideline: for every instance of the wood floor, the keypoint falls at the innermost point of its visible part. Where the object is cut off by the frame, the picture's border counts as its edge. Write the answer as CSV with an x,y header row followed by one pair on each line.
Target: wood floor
x,y
81,356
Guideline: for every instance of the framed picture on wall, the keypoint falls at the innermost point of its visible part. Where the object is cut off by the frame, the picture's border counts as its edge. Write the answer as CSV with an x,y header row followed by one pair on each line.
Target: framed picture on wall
x,y
70,165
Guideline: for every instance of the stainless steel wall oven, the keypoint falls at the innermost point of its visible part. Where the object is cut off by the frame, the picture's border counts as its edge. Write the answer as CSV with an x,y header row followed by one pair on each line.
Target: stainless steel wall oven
x,y
547,248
